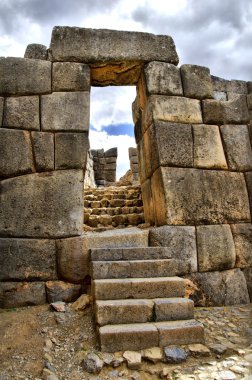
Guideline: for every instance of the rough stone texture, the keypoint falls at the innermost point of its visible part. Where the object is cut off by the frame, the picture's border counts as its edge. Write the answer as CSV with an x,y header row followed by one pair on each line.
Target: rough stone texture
x,y
248,276
168,144
42,205
23,76
220,95
130,253
237,147
248,177
116,57
22,112
216,250
220,288
148,202
153,354
242,234
234,111
175,355
249,85
62,291
215,196
92,363
36,51
65,111
180,332
249,101
181,244
16,153
128,337
43,150
18,294
163,79
71,150
237,86
208,150
27,259
219,84
196,81
70,76
133,359
1,110
173,309
172,108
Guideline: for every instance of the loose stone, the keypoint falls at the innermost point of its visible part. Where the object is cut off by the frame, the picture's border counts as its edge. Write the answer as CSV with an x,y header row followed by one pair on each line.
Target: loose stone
x,y
92,363
175,355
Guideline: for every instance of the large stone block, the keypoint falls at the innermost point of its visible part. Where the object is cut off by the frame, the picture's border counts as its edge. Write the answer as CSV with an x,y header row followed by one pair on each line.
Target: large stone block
x,y
148,202
216,250
16,153
70,76
23,76
42,205
215,196
248,276
71,150
220,84
237,146
19,294
237,86
208,150
1,110
36,51
27,259
57,291
181,243
234,111
116,57
162,79
249,101
220,288
43,149
22,112
248,177
242,234
172,108
65,111
197,81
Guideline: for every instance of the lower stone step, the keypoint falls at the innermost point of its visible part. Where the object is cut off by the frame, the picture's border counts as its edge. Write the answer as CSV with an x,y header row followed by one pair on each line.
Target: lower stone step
x,y
136,288
142,310
130,253
133,269
139,336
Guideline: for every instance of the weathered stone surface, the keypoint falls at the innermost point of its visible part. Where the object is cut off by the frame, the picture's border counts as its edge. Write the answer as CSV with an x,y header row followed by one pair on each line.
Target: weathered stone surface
x,y
249,101
248,177
16,153
27,259
196,81
128,337
71,150
42,205
242,234
168,144
43,149
180,332
175,355
208,150
248,276
1,110
116,57
220,95
123,311
237,86
162,79
249,85
181,244
126,254
220,288
234,111
148,202
92,363
36,51
172,108
216,196
82,302
18,294
65,111
133,359
22,76
62,291
173,309
216,250
219,84
198,350
153,354
70,76
237,146
22,112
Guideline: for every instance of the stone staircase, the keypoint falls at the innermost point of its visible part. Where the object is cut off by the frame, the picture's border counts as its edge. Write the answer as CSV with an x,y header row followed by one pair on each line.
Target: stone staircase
x,y
138,300
112,207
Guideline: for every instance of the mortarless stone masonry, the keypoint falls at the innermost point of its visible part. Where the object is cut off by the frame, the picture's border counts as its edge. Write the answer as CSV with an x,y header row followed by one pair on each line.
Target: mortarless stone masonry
x,y
196,184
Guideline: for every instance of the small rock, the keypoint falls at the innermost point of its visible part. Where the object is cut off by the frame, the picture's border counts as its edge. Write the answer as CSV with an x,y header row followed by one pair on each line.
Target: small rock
x,y
248,358
113,374
48,343
165,374
154,354
50,367
92,363
198,350
48,358
226,375
60,318
48,375
238,369
59,306
218,349
135,376
82,302
133,359
175,355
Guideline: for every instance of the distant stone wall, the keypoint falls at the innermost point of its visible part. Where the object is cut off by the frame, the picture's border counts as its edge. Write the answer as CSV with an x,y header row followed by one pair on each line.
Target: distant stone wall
x,y
133,157
104,166
89,179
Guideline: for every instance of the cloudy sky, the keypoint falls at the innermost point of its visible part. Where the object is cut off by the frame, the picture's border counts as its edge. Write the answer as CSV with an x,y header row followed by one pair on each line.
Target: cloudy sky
x,y
213,33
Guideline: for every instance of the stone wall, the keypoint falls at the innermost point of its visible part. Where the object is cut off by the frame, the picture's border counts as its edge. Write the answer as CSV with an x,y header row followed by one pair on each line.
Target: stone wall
x,y
133,157
104,166
194,144
89,179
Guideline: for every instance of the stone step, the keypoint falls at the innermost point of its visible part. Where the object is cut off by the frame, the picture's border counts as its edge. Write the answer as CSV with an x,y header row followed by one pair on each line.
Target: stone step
x,y
133,269
135,288
130,253
138,336
142,310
